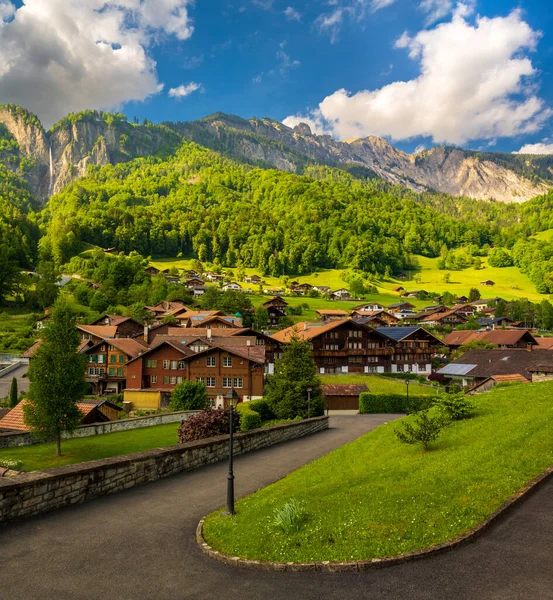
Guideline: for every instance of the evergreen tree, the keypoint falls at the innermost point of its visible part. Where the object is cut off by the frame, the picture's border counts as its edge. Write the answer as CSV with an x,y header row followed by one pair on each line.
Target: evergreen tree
x,y
474,294
47,288
57,374
295,372
261,318
14,395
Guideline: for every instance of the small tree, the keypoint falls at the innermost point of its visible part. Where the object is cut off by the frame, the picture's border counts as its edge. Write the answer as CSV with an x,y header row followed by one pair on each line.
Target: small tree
x,y
455,406
426,430
189,395
295,372
261,318
14,399
57,374
474,294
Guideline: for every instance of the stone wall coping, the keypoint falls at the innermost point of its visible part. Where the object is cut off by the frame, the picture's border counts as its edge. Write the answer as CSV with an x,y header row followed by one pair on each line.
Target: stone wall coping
x,y
30,478
387,561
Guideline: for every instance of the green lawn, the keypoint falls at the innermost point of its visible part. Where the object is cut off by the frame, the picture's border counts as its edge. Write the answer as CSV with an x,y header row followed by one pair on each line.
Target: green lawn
x,y
377,497
43,456
381,385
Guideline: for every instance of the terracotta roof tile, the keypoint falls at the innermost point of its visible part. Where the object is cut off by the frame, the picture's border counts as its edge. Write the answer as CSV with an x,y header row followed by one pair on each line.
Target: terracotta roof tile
x,y
343,389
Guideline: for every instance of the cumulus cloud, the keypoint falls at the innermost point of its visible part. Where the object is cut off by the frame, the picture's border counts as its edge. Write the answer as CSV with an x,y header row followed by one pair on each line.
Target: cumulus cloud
x,y
184,90
292,14
540,148
7,10
476,82
58,56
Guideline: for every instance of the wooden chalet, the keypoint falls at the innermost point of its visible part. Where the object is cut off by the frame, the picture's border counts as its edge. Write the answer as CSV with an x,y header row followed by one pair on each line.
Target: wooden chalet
x,y
276,308
487,282
126,326
449,318
385,317
256,279
504,338
331,315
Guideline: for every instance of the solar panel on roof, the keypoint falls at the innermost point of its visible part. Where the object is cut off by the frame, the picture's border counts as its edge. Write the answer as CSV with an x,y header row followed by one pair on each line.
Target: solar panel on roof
x,y
397,333
454,369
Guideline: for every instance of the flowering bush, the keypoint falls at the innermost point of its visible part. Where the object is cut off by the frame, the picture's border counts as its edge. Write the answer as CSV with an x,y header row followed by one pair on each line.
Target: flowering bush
x,y
208,423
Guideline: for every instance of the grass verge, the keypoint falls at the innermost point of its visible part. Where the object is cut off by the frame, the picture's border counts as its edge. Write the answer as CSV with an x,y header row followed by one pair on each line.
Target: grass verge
x,y
376,497
381,385
43,456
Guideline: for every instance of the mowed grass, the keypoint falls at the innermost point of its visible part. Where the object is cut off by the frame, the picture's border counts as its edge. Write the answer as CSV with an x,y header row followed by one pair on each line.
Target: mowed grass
x,y
382,385
377,497
43,456
510,283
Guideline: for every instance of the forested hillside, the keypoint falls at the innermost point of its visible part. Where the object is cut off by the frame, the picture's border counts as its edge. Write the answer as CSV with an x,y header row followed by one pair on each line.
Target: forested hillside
x,y
204,205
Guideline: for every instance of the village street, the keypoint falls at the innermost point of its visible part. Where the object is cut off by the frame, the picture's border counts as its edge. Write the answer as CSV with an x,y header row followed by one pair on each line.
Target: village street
x,y
140,544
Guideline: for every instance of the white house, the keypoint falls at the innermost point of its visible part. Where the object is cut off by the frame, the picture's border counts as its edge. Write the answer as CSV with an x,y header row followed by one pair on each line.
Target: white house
x,y
342,293
232,286
370,308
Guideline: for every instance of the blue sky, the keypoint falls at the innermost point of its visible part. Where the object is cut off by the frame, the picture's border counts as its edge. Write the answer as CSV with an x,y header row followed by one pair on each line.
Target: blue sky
x,y
290,59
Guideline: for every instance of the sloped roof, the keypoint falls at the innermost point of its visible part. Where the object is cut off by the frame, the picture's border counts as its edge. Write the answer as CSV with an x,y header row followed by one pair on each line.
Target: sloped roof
x,y
310,330
332,313
343,389
545,342
512,378
130,346
438,316
491,363
400,333
100,331
501,337
32,350
14,420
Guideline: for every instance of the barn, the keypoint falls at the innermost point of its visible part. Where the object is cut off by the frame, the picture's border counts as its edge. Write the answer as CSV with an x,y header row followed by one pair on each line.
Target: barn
x,y
343,396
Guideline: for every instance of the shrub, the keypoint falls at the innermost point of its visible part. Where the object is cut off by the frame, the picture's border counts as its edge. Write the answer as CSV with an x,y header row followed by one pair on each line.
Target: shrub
x,y
426,430
291,517
455,406
391,403
249,419
208,423
262,407
10,463
189,395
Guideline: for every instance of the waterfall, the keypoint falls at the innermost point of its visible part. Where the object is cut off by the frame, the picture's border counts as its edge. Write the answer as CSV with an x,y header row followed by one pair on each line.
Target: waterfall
x,y
51,186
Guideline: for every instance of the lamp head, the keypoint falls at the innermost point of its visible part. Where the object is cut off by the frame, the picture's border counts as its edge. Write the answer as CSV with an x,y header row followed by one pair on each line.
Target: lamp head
x,y
309,389
232,398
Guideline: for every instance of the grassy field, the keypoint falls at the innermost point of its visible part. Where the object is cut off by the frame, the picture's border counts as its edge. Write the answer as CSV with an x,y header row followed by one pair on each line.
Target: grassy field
x,y
16,331
43,456
381,385
377,497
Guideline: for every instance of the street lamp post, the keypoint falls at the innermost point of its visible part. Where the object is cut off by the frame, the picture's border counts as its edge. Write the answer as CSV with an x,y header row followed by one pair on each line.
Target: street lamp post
x,y
232,398
309,390
407,382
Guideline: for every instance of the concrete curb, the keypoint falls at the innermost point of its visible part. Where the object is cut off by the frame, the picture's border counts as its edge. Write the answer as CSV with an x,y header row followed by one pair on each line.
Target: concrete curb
x,y
388,561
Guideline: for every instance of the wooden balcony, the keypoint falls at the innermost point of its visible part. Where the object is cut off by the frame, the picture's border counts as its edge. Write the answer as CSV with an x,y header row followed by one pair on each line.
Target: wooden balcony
x,y
354,352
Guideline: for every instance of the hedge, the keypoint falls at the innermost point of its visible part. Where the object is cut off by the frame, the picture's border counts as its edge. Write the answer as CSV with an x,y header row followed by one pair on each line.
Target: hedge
x,y
390,403
262,407
249,419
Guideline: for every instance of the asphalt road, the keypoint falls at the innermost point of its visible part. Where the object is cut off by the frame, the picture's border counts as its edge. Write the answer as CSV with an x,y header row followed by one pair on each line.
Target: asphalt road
x,y
140,545
22,382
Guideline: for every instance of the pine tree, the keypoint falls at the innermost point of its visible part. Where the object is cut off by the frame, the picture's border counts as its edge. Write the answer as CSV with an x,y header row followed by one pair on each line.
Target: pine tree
x,y
295,372
14,394
57,379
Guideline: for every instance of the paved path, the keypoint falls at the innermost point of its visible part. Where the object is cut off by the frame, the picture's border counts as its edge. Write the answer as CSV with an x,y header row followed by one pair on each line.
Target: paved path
x,y
140,545
22,382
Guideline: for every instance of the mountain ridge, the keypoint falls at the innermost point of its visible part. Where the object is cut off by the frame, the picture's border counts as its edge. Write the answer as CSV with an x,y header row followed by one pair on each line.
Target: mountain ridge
x,y
49,160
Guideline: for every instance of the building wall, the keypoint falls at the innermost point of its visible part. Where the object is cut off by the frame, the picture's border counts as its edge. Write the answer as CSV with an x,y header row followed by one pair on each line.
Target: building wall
x,y
539,377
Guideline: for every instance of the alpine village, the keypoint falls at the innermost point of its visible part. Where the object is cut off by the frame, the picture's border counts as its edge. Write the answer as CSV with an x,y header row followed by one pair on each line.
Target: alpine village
x,y
246,357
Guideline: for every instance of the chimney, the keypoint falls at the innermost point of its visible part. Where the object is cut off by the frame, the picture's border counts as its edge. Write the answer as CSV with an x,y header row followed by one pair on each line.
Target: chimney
x,y
305,326
209,334
146,332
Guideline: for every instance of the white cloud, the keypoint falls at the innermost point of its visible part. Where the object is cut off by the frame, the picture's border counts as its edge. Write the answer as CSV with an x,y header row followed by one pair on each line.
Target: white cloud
x,y
292,14
7,10
284,59
436,9
184,90
330,23
476,82
263,4
378,4
540,148
58,56
419,148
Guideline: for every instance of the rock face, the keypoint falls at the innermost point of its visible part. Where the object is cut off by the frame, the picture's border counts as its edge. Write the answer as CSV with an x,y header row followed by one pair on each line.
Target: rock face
x,y
53,159
449,170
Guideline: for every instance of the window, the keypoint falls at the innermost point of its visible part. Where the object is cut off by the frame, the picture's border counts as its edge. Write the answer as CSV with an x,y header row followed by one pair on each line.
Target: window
x,y
210,382
180,379
101,358
227,361
200,380
173,380
113,358
238,382
166,379
120,372
122,358
91,370
103,347
227,382
166,364
151,364
93,358
174,365
112,348
182,364
112,371
153,378
211,362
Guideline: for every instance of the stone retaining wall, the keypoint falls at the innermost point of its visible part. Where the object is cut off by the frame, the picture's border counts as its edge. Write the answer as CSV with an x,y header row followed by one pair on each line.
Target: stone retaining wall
x,y
30,494
24,438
